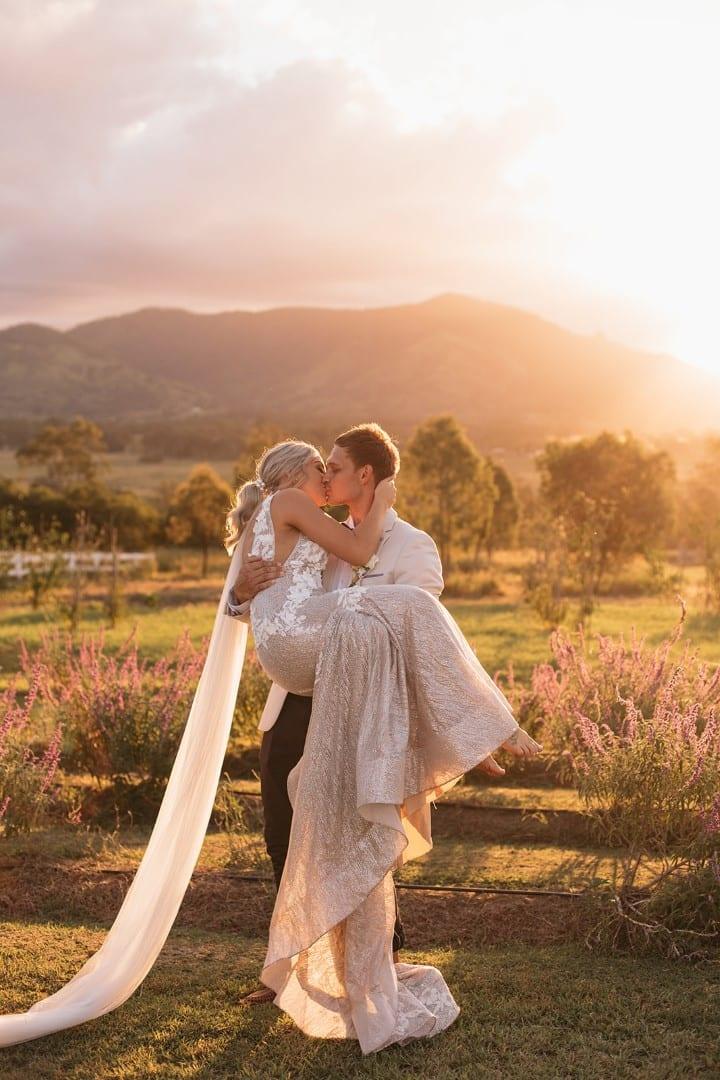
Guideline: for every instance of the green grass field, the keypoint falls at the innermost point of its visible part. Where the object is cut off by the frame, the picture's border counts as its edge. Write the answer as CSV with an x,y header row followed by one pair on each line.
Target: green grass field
x,y
535,1003
527,1012
503,633
456,859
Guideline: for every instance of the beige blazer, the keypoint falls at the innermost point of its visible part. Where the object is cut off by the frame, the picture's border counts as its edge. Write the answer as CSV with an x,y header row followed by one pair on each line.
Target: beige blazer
x,y
406,556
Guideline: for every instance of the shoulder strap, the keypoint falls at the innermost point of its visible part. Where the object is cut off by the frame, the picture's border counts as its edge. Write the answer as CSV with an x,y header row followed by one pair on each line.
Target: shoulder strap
x,y
263,543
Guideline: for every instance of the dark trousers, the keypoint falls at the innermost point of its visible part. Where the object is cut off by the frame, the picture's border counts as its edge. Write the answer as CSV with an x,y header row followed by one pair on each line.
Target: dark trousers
x,y
281,749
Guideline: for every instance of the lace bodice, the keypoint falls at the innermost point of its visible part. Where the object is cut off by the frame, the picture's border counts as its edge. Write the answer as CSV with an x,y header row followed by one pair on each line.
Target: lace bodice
x,y
278,610
306,553
289,617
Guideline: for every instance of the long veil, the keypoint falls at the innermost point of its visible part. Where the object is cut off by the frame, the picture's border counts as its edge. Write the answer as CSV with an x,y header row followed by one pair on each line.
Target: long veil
x,y
144,921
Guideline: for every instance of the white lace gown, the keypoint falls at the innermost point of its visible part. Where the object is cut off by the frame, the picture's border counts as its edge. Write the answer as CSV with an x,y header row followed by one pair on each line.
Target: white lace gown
x,y
401,709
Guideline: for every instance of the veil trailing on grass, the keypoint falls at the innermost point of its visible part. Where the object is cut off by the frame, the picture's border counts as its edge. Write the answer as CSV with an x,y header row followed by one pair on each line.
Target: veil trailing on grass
x,y
147,914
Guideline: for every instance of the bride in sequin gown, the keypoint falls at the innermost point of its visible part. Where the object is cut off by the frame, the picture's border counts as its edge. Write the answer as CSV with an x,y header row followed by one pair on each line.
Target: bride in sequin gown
x,y
401,709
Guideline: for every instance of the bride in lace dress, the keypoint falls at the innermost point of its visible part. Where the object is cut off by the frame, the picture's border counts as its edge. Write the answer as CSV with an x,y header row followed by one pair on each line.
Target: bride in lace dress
x,y
401,709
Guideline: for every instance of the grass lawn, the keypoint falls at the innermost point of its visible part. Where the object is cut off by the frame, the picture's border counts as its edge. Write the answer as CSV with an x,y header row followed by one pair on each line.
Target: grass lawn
x,y
527,1012
490,793
545,1009
158,628
516,866
520,795
502,634
456,858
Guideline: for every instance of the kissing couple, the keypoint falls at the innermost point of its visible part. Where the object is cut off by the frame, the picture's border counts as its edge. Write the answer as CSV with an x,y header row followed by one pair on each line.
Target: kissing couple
x,y
375,678
378,705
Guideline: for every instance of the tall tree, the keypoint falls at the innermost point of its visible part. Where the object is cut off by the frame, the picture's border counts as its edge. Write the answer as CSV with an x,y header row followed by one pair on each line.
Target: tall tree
x,y
701,517
612,498
500,527
197,511
443,479
68,452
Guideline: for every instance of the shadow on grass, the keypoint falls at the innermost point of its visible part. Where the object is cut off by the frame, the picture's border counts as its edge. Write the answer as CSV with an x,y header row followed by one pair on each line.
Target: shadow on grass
x,y
526,1011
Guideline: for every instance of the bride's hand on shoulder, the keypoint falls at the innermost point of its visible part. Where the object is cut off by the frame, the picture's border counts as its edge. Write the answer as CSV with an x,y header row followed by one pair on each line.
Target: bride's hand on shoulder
x,y
386,492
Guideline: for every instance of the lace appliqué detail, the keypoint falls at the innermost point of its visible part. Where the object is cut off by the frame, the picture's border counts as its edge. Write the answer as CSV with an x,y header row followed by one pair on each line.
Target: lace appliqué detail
x,y
263,544
303,567
350,599
306,581
427,1006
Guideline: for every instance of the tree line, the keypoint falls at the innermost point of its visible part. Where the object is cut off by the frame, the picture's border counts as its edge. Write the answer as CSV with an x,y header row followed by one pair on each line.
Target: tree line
x,y
599,502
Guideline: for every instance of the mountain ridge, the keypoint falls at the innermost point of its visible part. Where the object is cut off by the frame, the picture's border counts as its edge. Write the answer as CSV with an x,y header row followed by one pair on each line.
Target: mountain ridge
x,y
496,367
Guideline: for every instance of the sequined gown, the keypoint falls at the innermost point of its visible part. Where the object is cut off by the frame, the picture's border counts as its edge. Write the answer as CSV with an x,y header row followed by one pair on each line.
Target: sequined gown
x,y
401,709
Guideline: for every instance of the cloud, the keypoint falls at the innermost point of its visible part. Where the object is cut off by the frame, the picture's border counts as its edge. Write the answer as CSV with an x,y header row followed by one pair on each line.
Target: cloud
x,y
140,169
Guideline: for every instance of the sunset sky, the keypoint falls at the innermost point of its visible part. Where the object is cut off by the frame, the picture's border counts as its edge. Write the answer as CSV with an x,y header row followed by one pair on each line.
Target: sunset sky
x,y
558,156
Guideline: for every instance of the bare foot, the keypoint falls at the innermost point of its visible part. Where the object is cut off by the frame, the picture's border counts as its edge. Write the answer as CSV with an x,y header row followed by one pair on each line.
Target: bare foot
x,y
490,766
522,745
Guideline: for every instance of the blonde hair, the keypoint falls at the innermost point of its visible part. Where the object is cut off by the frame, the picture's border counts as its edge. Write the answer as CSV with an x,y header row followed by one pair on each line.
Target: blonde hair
x,y
285,461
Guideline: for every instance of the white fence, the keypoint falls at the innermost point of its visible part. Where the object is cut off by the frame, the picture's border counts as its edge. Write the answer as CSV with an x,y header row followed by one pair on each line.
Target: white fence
x,y
90,562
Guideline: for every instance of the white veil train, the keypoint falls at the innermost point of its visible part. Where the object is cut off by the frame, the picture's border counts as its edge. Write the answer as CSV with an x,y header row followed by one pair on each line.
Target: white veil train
x,y
149,909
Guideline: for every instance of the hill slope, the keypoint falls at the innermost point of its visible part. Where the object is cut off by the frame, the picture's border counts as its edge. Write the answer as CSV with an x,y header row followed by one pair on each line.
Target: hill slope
x,y
45,373
508,375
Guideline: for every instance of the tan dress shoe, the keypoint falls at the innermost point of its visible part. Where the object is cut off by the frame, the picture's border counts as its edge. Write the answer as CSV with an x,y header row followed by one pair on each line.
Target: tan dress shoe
x,y
263,996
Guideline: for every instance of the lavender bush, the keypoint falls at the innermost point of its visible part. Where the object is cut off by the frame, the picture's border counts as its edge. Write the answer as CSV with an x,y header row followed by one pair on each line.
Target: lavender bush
x,y
122,716
653,788
595,679
638,731
27,790
653,781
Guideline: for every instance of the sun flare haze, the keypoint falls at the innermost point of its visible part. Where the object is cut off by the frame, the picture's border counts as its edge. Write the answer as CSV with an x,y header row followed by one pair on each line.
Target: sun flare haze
x,y
209,154
359,447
